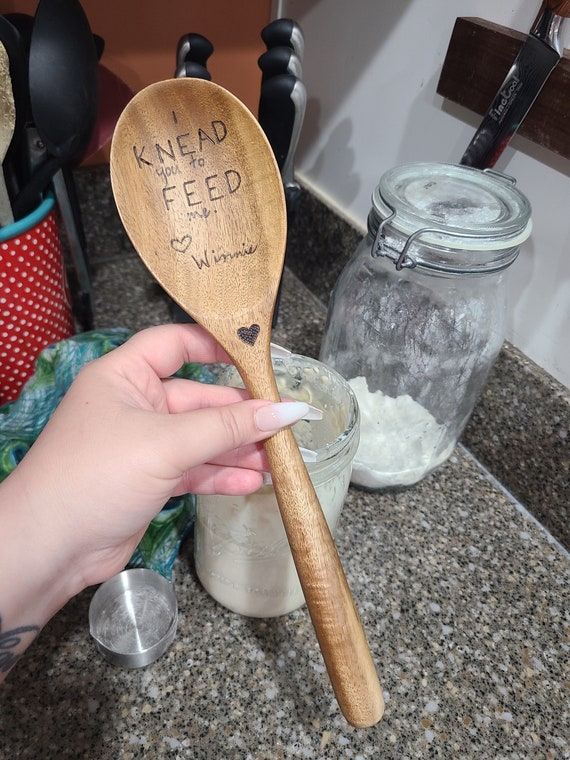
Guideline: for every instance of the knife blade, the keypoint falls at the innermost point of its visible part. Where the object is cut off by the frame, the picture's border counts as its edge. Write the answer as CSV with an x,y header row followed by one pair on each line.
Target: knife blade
x,y
533,65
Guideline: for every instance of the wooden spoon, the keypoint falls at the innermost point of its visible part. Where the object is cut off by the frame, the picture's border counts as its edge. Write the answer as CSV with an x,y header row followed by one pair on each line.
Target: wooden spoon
x,y
201,198
7,122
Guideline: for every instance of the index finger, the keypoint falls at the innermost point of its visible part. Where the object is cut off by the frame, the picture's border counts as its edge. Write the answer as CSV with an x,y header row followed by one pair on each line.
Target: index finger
x,y
186,395
165,348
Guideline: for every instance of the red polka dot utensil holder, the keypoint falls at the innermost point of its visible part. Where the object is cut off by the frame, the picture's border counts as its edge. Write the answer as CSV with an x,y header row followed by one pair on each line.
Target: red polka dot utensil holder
x,y
35,303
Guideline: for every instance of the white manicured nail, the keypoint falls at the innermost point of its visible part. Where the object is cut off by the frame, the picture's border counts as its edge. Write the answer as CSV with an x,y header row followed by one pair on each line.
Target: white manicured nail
x,y
314,413
277,416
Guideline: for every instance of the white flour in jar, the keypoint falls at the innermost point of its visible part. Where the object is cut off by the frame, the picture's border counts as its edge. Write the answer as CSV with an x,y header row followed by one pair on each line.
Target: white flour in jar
x,y
400,441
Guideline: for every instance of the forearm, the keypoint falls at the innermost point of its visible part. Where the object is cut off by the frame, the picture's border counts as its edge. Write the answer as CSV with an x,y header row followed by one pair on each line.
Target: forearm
x,y
35,577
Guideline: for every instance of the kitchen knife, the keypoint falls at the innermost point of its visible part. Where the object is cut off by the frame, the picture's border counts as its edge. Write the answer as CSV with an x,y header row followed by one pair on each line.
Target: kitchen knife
x,y
284,31
280,60
193,48
284,94
192,70
537,58
281,111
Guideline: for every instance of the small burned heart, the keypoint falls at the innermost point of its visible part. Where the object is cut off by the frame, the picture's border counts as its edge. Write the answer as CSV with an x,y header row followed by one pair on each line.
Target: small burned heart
x,y
181,244
248,334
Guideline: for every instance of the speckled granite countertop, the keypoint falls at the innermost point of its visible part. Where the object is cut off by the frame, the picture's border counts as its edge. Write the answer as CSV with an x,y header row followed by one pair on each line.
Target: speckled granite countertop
x,y
463,594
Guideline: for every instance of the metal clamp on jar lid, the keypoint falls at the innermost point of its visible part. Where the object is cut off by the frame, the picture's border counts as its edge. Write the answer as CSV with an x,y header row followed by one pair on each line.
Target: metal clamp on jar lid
x,y
425,214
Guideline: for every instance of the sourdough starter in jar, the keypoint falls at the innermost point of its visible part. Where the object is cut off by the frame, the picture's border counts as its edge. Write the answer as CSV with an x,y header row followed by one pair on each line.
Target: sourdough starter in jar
x,y
241,550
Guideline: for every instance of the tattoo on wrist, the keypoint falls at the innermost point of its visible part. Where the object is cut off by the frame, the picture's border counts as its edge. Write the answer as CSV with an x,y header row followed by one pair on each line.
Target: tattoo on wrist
x,y
11,648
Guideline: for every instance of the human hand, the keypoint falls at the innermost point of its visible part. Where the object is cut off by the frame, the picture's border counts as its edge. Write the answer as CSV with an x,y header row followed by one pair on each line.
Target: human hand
x,y
124,440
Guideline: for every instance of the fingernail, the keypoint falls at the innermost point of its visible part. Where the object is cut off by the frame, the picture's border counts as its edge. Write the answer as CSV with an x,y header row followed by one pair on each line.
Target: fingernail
x,y
267,479
276,416
278,352
314,413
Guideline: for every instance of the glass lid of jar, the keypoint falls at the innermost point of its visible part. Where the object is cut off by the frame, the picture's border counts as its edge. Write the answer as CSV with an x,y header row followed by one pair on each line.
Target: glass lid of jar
x,y
453,205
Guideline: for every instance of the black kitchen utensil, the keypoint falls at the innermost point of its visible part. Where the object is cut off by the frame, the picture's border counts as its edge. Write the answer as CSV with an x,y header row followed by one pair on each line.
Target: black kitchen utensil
x,y
537,58
63,90
63,63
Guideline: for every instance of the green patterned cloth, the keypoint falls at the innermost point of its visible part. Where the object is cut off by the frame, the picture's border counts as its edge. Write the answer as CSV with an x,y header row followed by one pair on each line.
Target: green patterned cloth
x,y
22,420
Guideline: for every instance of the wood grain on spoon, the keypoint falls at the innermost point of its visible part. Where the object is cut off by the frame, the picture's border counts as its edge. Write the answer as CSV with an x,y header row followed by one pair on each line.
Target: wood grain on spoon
x,y
200,195
7,122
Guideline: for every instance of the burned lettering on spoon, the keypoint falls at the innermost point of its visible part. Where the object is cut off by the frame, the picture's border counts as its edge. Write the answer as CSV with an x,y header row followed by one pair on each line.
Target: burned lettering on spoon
x,y
215,187
212,257
179,147
173,156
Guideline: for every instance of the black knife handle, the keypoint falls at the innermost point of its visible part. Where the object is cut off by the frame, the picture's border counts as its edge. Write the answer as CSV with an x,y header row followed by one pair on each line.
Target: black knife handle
x,y
277,114
193,70
193,47
284,31
279,60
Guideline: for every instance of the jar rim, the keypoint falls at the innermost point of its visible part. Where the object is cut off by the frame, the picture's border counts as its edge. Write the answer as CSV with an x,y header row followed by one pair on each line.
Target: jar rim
x,y
343,439
451,206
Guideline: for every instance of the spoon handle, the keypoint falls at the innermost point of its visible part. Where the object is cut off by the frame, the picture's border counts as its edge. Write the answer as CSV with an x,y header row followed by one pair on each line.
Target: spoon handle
x,y
335,619
339,631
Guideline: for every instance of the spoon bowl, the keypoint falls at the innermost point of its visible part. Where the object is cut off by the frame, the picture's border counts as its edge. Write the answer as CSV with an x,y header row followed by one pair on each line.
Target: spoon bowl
x,y
201,198
7,123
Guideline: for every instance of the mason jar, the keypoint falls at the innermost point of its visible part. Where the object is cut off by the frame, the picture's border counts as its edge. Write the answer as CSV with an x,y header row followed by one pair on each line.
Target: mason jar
x,y
417,317
241,552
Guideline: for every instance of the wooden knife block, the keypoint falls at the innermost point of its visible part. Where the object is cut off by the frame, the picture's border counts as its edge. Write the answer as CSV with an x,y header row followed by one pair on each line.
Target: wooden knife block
x,y
478,58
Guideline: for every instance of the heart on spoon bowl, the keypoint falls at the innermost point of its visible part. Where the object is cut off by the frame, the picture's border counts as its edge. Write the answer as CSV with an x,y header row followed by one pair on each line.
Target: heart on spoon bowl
x,y
185,150
248,334
181,245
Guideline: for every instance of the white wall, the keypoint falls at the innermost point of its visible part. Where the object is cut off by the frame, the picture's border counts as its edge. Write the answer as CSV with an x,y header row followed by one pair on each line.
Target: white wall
x,y
371,68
